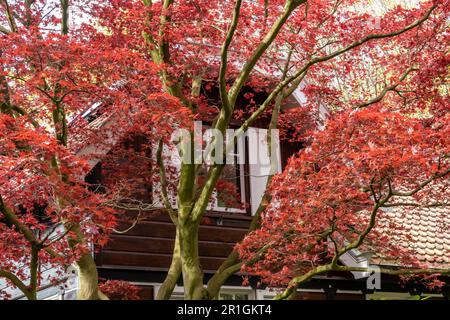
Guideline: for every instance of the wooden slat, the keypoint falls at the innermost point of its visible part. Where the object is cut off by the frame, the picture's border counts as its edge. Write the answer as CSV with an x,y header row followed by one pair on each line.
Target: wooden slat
x,y
150,243
349,296
211,219
163,245
144,260
210,214
206,233
310,296
146,292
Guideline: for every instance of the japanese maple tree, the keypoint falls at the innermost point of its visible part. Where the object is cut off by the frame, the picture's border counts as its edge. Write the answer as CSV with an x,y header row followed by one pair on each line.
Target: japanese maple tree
x,y
49,215
148,64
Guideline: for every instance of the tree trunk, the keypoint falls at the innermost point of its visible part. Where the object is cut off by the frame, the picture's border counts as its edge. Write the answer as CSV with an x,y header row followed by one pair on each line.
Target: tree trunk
x,y
34,271
5,103
166,289
87,272
190,262
88,279
230,266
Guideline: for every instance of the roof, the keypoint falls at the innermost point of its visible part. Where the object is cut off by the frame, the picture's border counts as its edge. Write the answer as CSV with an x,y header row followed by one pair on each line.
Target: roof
x,y
418,226
424,232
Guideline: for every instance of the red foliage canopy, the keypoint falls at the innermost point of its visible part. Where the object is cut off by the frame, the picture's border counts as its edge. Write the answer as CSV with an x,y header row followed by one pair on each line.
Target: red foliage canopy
x,y
149,75
333,193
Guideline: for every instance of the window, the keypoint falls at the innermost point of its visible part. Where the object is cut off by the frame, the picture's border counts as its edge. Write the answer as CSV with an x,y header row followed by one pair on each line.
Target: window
x,y
237,293
230,194
226,293
244,178
233,296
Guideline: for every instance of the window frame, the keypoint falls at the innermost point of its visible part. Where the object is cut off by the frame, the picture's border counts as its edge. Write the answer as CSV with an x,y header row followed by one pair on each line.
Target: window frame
x,y
241,156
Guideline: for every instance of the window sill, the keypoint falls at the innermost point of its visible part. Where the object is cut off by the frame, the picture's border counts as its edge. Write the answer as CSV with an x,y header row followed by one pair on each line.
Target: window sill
x,y
228,215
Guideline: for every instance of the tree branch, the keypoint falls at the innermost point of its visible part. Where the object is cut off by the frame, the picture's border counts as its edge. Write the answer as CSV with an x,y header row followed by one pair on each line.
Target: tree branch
x,y
394,271
34,272
299,74
4,30
12,218
17,282
294,283
290,6
9,16
163,181
28,234
22,112
413,204
224,57
386,90
65,17
421,186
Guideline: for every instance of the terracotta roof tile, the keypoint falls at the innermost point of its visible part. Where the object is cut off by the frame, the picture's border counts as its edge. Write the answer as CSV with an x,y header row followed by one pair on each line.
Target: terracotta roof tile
x,y
425,232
